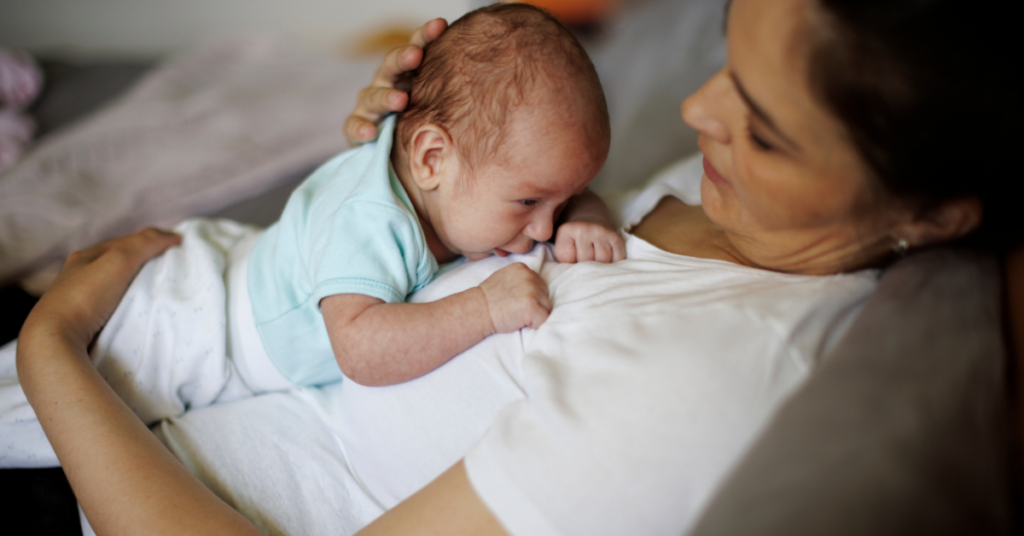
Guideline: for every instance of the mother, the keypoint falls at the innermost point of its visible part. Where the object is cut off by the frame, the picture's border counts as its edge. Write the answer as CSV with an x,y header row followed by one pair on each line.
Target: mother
x,y
822,155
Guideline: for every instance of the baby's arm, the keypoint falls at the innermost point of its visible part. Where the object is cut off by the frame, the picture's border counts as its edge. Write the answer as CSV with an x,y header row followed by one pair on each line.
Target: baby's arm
x,y
378,343
586,232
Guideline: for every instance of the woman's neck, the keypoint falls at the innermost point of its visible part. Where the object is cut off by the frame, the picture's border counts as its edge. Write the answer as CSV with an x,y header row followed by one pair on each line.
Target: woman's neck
x,y
676,227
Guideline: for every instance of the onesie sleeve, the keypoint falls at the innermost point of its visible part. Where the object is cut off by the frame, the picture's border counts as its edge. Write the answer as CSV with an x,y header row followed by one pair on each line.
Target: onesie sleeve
x,y
369,248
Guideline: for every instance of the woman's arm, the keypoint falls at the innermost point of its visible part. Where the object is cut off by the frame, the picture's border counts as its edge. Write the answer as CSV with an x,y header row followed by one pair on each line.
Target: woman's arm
x,y
448,505
125,480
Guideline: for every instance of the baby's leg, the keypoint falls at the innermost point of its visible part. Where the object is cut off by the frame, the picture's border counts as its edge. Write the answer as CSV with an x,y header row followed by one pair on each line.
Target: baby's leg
x,y
165,348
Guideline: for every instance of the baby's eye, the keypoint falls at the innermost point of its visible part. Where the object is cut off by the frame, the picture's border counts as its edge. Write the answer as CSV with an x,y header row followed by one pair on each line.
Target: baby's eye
x,y
528,202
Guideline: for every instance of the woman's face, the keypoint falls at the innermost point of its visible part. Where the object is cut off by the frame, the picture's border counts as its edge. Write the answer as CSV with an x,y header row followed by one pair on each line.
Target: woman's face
x,y
781,178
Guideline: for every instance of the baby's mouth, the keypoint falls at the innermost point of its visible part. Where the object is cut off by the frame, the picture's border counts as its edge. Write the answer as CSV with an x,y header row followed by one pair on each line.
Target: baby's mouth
x,y
500,252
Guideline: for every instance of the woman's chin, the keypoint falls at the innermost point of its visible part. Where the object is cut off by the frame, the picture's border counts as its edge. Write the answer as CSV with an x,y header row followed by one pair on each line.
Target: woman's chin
x,y
711,200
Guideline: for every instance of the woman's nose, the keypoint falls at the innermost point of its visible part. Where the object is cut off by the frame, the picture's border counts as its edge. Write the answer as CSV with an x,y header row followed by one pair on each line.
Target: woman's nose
x,y
704,109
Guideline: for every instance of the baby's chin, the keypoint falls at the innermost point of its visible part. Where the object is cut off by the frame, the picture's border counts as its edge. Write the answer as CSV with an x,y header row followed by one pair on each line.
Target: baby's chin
x,y
475,256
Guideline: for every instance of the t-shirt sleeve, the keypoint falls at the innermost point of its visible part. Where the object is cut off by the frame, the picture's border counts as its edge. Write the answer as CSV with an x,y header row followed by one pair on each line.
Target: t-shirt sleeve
x,y
627,430
366,248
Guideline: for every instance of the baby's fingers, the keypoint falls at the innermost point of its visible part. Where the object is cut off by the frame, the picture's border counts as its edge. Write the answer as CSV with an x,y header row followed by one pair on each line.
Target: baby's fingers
x,y
538,316
565,248
585,251
618,249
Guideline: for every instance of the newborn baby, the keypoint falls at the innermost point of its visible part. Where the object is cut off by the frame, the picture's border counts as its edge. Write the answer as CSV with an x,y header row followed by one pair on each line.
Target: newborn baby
x,y
506,124
505,127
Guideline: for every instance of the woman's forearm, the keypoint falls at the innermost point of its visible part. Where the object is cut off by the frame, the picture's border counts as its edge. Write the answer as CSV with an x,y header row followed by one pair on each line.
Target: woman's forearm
x,y
448,505
124,479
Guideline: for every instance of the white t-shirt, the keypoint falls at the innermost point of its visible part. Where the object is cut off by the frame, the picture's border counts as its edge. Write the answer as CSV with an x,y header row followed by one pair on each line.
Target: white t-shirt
x,y
648,381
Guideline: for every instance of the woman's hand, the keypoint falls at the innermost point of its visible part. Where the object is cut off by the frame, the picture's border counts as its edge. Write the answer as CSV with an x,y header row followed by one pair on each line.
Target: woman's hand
x,y
381,97
90,286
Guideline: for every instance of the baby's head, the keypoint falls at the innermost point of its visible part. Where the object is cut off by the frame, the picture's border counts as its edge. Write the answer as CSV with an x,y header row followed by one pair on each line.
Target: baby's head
x,y
506,121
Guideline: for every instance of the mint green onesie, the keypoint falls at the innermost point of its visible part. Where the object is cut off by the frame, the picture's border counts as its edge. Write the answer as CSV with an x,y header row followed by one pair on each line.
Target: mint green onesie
x,y
347,229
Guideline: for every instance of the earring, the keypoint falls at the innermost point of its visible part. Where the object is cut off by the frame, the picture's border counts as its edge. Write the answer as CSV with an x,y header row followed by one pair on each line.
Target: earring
x,y
900,247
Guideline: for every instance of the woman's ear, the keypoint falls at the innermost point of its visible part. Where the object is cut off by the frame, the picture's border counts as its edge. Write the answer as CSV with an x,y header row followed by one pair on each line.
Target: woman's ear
x,y
431,156
947,221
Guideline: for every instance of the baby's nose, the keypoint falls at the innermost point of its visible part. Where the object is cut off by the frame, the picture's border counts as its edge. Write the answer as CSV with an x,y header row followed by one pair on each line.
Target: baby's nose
x,y
539,230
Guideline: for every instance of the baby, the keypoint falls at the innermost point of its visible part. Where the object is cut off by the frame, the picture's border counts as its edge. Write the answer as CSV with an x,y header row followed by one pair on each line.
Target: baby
x,y
506,126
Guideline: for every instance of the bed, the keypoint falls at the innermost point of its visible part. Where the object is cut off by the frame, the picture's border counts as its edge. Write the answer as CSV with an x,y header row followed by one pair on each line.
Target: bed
x,y
902,429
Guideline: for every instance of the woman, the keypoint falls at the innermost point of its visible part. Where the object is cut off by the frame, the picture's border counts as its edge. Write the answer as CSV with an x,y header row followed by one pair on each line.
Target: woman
x,y
805,172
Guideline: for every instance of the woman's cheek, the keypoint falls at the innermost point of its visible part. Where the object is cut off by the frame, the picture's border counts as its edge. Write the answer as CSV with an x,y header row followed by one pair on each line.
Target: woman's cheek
x,y
766,190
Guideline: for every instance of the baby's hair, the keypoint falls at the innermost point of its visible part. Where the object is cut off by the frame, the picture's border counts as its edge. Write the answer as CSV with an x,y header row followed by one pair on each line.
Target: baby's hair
x,y
486,64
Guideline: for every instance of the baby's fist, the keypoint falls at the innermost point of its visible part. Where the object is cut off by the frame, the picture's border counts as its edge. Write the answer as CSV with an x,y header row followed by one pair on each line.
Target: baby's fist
x,y
516,297
579,241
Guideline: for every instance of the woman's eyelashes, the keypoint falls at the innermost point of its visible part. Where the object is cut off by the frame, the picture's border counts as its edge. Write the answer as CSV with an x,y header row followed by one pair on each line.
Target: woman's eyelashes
x,y
758,141
528,202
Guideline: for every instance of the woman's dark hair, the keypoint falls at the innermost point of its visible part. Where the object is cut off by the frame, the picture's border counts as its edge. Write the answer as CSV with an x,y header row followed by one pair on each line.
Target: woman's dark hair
x,y
928,91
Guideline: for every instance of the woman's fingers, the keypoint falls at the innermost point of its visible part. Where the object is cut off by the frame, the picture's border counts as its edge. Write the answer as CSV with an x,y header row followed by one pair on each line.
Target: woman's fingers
x,y
93,281
382,97
359,130
130,251
428,32
360,127
407,58
396,62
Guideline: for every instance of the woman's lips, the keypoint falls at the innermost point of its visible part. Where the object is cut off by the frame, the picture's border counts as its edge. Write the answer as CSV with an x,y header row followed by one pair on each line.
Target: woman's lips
x,y
713,174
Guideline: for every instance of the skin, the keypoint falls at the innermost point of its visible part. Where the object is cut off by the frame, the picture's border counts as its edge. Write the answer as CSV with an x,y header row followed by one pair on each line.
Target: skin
x,y
96,437
784,188
501,206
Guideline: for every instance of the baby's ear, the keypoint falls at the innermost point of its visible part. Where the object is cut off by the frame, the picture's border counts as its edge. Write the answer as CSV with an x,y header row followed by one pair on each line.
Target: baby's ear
x,y
431,156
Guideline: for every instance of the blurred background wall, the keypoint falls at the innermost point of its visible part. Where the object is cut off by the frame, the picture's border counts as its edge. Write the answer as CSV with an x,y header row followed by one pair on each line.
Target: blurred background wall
x,y
146,28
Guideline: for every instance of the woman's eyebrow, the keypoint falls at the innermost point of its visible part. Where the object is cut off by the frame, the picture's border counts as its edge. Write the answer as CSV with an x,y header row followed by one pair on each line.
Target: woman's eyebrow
x,y
761,114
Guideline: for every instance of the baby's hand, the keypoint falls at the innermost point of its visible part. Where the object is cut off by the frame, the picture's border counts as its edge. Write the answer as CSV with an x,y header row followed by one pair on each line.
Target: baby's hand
x,y
517,297
579,241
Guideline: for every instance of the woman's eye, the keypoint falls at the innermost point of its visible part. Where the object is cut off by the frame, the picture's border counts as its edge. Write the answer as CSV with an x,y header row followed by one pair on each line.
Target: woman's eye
x,y
758,141
528,202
